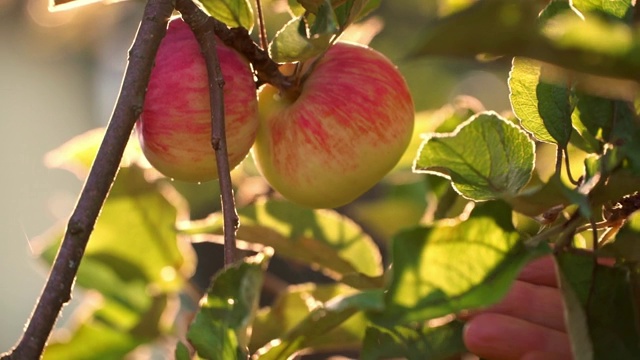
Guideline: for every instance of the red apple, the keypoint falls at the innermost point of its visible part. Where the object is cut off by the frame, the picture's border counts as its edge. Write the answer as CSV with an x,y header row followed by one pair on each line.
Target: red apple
x,y
347,126
175,126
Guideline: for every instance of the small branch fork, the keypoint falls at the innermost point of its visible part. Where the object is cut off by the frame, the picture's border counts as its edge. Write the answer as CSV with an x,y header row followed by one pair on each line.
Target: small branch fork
x,y
207,41
239,39
57,290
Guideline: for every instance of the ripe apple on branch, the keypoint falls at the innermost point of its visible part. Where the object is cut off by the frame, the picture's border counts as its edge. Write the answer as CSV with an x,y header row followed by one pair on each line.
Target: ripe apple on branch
x,y
342,124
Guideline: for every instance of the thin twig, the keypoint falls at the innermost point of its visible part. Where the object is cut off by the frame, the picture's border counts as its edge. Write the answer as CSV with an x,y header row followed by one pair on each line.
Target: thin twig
x,y
568,166
57,290
239,39
264,42
207,41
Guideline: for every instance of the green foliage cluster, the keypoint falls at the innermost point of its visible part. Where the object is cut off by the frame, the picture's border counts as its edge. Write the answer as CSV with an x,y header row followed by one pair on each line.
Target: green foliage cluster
x,y
452,248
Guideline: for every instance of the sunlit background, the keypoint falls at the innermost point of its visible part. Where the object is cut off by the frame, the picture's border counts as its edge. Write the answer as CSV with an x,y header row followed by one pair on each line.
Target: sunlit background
x,y
59,76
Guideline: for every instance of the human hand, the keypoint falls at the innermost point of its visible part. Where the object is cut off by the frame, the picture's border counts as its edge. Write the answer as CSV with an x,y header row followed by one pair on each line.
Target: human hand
x,y
529,322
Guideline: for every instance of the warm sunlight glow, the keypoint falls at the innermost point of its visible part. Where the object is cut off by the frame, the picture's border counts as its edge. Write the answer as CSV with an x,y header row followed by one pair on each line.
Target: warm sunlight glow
x,y
41,15
168,273
60,5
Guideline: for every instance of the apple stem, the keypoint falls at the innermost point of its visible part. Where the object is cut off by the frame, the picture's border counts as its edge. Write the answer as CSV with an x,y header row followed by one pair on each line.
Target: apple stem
x,y
264,43
239,39
57,290
207,41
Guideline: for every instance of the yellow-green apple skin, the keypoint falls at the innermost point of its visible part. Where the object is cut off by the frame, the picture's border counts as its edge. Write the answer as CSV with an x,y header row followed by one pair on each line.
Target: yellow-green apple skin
x,y
175,126
349,126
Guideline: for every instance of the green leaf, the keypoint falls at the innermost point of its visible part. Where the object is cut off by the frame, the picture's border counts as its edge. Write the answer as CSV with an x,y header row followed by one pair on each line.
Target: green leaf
x,y
351,11
234,13
576,318
296,8
447,267
511,28
324,23
605,295
182,352
318,317
414,343
622,9
543,108
112,265
137,218
77,154
626,133
111,327
107,343
487,157
292,43
321,238
220,328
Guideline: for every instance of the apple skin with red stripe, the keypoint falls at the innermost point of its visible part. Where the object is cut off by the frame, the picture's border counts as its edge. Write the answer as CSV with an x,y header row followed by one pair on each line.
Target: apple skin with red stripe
x,y
344,130
175,126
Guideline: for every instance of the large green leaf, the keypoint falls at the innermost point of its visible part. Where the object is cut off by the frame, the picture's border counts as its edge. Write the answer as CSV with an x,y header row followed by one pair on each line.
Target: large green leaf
x,y
511,28
234,13
107,343
577,326
487,157
322,238
543,108
111,327
137,218
606,297
447,267
220,328
311,316
414,343
133,249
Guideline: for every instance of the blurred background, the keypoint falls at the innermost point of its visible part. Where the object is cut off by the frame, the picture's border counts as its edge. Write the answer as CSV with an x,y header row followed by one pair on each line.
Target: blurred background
x,y
60,74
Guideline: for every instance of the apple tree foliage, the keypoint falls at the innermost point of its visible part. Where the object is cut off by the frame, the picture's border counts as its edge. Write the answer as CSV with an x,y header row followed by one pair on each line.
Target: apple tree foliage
x,y
449,229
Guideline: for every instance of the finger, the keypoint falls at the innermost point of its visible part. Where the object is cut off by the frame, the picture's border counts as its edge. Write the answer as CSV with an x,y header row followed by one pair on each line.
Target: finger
x,y
501,337
540,305
540,271
538,355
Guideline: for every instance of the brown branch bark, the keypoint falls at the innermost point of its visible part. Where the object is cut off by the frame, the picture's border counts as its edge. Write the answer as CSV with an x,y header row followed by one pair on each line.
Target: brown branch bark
x,y
57,290
205,36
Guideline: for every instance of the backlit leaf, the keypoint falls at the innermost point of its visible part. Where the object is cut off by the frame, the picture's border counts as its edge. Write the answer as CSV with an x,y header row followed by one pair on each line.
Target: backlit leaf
x,y
77,154
234,13
322,238
605,296
486,158
414,343
319,317
449,267
511,28
622,9
292,43
543,107
220,328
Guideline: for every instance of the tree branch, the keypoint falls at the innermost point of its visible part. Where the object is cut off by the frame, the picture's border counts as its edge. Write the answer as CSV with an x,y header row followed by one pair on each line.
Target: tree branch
x,y
57,290
240,40
205,36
